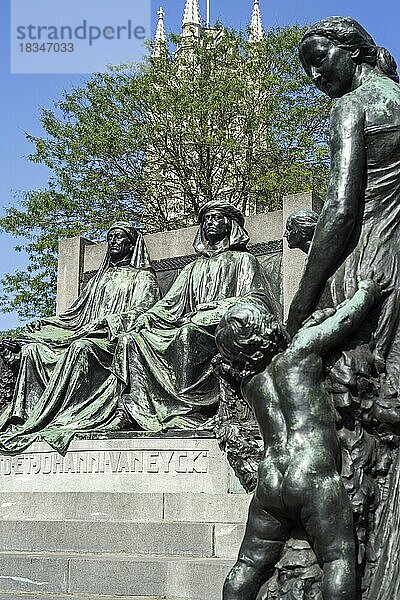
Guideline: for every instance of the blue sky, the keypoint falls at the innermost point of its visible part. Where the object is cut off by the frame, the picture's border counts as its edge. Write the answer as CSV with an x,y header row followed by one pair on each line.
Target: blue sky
x,y
23,96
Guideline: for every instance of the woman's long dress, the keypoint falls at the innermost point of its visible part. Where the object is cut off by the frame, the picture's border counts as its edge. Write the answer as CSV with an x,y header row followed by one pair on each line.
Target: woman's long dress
x,y
373,252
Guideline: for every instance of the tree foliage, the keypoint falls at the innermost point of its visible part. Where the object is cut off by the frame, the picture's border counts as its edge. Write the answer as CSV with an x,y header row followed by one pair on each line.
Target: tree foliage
x,y
151,142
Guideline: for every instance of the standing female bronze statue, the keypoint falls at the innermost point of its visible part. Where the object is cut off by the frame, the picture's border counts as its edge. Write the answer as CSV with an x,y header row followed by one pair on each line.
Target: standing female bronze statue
x,y
359,229
358,233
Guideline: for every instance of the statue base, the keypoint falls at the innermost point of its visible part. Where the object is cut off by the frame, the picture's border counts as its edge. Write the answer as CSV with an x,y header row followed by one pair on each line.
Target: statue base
x,y
127,516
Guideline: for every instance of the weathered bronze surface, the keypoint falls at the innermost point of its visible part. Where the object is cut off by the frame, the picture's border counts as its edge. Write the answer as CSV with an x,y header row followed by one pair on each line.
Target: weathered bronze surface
x,y
235,428
298,475
65,382
359,227
357,237
324,521
328,405
300,228
165,361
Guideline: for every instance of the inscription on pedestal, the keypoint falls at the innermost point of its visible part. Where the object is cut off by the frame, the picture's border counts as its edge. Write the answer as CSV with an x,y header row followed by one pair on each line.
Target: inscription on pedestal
x,y
137,465
106,462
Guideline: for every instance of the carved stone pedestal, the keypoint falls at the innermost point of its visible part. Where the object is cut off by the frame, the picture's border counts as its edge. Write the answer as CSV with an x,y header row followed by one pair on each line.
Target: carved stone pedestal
x,y
129,516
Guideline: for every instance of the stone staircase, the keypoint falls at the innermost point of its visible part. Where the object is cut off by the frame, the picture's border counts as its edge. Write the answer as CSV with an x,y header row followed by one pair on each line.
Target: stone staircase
x,y
110,546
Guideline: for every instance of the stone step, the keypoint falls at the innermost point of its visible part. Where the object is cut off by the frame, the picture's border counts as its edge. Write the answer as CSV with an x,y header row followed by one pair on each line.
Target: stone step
x,y
38,596
130,507
207,508
65,575
81,506
221,540
187,539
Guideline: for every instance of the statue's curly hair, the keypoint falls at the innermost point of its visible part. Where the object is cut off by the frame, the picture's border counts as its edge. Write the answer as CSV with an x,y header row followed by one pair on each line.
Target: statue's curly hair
x,y
248,336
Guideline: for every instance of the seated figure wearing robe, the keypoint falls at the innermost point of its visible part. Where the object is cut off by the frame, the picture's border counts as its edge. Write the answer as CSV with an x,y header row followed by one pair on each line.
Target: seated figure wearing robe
x,y
165,361
65,383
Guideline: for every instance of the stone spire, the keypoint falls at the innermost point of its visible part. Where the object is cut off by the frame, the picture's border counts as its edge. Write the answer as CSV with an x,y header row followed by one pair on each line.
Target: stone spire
x,y
160,39
191,19
256,26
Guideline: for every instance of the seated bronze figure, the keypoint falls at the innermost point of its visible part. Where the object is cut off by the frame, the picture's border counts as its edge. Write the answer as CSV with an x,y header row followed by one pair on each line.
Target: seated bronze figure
x,y
65,382
165,362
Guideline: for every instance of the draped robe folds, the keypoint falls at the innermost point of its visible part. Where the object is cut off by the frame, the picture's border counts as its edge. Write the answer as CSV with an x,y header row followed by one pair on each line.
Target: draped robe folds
x,y
65,384
372,252
166,367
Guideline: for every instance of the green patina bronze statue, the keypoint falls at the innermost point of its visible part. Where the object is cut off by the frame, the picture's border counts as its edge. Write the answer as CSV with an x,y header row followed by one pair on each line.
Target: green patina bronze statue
x,y
165,362
356,339
325,391
359,228
299,473
357,237
65,382
300,228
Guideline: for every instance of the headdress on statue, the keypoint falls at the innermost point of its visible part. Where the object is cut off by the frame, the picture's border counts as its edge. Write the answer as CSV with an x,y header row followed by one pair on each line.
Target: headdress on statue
x,y
304,220
238,238
140,257
76,315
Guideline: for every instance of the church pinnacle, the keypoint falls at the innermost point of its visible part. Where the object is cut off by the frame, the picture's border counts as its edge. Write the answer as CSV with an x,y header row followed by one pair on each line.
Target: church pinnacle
x,y
191,18
160,39
256,26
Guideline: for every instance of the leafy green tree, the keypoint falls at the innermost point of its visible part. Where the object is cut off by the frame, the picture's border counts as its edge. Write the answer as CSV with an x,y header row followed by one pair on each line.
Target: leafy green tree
x,y
152,142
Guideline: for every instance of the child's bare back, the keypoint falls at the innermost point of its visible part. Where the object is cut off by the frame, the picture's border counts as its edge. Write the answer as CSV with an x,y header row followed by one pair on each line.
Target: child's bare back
x,y
298,478
297,421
